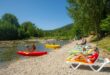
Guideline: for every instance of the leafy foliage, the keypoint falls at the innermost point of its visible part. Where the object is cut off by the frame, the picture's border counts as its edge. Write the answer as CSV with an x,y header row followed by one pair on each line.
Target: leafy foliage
x,y
10,18
86,14
29,28
10,29
105,24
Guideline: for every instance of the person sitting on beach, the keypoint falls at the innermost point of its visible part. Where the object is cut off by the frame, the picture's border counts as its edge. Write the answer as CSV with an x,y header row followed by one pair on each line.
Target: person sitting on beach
x,y
83,41
87,58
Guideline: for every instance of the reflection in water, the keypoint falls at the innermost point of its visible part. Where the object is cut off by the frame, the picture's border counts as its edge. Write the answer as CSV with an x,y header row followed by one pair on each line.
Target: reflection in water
x,y
9,53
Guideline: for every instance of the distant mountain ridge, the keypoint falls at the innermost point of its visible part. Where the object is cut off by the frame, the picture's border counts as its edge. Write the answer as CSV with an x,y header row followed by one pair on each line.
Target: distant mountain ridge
x,y
66,27
65,32
69,26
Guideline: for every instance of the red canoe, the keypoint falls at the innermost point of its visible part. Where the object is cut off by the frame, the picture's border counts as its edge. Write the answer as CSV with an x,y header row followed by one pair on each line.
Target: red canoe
x,y
38,53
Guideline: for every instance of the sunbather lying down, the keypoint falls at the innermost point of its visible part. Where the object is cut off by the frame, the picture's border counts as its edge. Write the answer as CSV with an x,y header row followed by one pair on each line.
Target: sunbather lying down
x,y
87,58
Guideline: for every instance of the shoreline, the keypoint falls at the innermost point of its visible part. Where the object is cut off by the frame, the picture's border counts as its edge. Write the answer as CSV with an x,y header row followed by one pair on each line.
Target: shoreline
x,y
51,64
13,43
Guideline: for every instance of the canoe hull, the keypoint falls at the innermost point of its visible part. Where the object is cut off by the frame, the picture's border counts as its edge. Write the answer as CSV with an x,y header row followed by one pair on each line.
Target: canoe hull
x,y
39,53
52,46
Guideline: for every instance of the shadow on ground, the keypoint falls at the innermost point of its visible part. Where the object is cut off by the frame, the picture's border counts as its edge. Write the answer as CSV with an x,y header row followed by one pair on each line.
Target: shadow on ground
x,y
84,67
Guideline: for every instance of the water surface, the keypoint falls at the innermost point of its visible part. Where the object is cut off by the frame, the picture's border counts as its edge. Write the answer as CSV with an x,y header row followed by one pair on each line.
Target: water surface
x,y
9,53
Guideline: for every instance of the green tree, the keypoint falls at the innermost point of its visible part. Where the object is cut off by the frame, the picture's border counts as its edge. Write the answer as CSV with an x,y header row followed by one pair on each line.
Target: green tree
x,y
10,18
87,14
8,31
29,28
105,25
21,33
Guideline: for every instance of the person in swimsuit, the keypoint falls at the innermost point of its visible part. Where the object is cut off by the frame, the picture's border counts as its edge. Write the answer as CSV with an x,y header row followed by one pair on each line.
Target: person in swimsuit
x,y
33,48
88,59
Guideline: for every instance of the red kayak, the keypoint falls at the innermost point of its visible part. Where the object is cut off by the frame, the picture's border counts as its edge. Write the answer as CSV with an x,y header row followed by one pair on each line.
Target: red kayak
x,y
38,53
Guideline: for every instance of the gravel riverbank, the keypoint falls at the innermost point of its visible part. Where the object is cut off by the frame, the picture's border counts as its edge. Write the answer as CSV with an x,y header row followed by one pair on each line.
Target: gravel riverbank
x,y
51,64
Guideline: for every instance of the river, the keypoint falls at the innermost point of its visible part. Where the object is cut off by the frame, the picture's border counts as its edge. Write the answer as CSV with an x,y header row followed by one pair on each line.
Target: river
x,y
9,53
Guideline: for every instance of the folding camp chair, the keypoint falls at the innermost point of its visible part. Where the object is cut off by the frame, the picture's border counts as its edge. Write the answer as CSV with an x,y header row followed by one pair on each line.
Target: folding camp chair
x,y
106,61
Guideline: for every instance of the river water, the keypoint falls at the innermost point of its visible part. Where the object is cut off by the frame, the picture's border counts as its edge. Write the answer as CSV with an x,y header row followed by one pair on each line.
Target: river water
x,y
9,53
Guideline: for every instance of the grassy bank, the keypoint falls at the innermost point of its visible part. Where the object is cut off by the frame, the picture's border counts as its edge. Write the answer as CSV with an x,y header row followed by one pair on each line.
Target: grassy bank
x,y
105,43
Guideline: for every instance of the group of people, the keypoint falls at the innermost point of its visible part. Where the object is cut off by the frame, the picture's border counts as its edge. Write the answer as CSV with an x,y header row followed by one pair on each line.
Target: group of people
x,y
88,55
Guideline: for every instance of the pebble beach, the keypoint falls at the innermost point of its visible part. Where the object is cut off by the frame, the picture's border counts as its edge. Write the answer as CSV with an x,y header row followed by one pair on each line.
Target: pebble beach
x,y
51,64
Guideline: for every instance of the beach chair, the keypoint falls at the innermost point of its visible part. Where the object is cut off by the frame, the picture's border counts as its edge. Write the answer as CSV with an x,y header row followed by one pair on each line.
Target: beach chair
x,y
105,61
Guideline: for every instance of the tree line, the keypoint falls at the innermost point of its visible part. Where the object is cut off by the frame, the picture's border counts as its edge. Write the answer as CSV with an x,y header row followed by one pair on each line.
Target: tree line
x,y
62,33
11,29
90,16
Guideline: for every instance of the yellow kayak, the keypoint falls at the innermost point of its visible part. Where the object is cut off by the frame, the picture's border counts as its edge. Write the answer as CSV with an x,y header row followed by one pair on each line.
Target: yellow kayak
x,y
52,46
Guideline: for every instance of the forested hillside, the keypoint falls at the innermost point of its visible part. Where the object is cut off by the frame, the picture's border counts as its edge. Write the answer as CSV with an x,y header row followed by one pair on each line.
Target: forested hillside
x,y
64,32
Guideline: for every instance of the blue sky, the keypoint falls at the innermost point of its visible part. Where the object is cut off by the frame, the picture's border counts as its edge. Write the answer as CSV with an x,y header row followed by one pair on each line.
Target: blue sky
x,y
45,14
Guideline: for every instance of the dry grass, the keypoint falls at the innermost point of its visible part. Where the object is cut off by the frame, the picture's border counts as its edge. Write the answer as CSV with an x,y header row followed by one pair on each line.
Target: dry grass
x,y
105,43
